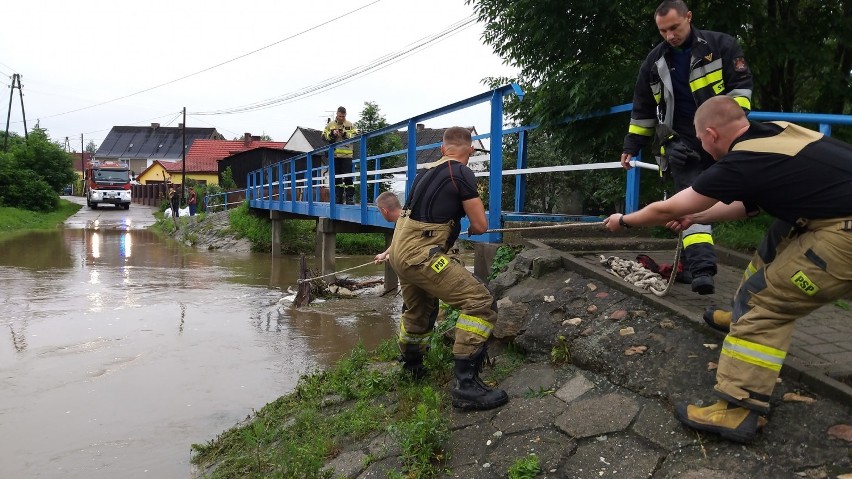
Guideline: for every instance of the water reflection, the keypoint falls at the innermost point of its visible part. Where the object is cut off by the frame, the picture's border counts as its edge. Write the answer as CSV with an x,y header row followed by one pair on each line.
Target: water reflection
x,y
131,347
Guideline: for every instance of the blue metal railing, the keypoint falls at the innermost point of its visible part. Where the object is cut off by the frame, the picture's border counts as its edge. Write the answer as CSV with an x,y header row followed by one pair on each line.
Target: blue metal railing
x,y
279,186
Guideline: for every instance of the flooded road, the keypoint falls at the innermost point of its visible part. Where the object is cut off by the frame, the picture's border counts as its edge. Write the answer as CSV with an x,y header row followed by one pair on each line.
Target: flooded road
x,y
118,349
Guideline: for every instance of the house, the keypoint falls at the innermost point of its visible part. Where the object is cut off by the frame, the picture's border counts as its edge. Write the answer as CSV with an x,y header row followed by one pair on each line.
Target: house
x,y
142,145
202,160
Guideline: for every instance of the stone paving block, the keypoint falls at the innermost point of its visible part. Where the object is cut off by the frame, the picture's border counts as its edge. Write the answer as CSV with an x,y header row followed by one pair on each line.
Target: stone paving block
x,y
598,415
347,465
843,357
622,457
822,349
816,329
525,414
574,388
805,339
549,445
381,469
658,425
806,357
460,418
847,345
534,377
469,445
384,446
829,337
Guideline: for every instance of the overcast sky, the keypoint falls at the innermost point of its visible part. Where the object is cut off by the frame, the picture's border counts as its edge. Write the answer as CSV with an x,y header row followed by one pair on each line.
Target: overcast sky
x,y
135,63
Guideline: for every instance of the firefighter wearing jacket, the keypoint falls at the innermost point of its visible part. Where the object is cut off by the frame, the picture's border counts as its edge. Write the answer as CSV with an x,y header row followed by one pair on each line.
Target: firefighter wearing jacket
x,y
802,178
680,74
337,130
426,230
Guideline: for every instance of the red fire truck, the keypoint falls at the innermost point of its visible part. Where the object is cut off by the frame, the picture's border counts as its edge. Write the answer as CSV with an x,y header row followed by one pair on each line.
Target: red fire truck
x,y
107,182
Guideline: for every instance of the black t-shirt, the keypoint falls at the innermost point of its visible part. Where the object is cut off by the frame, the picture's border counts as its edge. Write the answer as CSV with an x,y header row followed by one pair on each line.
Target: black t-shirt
x,y
439,199
788,171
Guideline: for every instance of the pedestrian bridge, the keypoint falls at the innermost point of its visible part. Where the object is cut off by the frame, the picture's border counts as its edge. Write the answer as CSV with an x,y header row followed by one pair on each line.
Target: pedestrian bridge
x,y
299,187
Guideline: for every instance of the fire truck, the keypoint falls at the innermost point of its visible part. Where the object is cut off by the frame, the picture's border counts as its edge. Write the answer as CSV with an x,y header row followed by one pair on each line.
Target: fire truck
x,y
107,182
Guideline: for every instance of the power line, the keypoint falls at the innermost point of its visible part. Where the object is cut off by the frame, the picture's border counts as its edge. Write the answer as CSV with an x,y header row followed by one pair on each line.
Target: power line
x,y
350,75
218,64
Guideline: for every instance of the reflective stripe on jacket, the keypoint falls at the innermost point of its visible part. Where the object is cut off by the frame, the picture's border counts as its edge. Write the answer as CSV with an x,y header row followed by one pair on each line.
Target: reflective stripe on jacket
x,y
717,67
349,131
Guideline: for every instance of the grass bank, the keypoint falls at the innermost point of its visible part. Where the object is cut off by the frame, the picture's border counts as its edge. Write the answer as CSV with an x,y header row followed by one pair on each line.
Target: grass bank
x,y
14,221
298,236
364,395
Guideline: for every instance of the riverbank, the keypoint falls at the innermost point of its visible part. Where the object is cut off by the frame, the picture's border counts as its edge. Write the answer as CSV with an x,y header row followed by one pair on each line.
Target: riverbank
x,y
593,373
14,221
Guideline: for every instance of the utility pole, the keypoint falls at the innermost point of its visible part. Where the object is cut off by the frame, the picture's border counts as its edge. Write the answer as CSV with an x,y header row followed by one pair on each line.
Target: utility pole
x,y
16,78
82,166
67,145
183,153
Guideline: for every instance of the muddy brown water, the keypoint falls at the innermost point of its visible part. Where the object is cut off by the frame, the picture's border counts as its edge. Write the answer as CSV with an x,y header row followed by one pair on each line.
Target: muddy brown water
x,y
118,349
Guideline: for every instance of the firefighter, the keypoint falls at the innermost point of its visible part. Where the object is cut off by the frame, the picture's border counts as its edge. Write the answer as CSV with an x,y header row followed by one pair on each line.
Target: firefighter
x,y
337,130
799,176
679,74
420,254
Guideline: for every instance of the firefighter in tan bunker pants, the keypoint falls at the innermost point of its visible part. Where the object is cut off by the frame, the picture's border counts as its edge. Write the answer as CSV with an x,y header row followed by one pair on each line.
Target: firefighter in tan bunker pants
x,y
425,231
802,178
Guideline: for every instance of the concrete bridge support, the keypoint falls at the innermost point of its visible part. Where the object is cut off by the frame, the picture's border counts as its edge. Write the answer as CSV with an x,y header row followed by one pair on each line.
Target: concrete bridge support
x,y
276,218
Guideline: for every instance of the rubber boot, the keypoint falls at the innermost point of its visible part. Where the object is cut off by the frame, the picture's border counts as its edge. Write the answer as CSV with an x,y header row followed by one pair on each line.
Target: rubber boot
x,y
339,195
350,195
703,284
469,392
718,319
730,421
412,365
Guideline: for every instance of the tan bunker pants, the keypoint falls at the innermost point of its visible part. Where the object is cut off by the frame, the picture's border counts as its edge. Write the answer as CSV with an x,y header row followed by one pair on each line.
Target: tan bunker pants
x,y
427,272
807,271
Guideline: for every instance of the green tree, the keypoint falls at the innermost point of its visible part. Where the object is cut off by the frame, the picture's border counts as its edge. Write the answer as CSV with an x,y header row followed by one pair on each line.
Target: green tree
x,y
91,147
371,120
46,158
582,56
228,182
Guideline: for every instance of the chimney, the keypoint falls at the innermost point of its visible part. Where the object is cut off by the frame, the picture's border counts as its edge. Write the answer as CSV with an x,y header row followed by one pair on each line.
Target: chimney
x,y
246,139
421,126
154,126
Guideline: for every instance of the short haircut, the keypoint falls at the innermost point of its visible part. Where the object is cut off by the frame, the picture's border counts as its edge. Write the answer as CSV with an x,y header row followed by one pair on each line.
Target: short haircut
x,y
717,112
388,200
457,136
677,5
341,109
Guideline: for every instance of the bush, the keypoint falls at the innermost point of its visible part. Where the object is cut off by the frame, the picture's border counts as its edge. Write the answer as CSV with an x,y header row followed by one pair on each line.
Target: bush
x,y
26,189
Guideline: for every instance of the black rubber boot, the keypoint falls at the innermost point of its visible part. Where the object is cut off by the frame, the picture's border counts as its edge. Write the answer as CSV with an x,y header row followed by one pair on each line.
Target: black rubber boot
x,y
339,195
703,284
412,365
350,195
469,392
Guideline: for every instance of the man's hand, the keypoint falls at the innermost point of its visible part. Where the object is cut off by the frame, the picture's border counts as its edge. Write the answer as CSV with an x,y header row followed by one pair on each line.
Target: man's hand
x,y
680,224
679,154
612,222
625,161
381,257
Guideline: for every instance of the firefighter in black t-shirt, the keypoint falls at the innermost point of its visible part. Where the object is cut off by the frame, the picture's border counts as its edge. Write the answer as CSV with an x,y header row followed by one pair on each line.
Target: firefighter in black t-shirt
x,y
802,178
427,228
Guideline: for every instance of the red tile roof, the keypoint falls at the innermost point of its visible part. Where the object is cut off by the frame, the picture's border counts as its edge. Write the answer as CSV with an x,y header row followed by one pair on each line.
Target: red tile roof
x,y
203,156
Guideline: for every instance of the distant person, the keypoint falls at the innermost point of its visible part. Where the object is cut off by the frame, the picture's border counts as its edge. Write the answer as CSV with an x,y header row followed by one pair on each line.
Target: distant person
x,y
192,201
802,178
389,207
337,130
679,74
441,195
174,204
